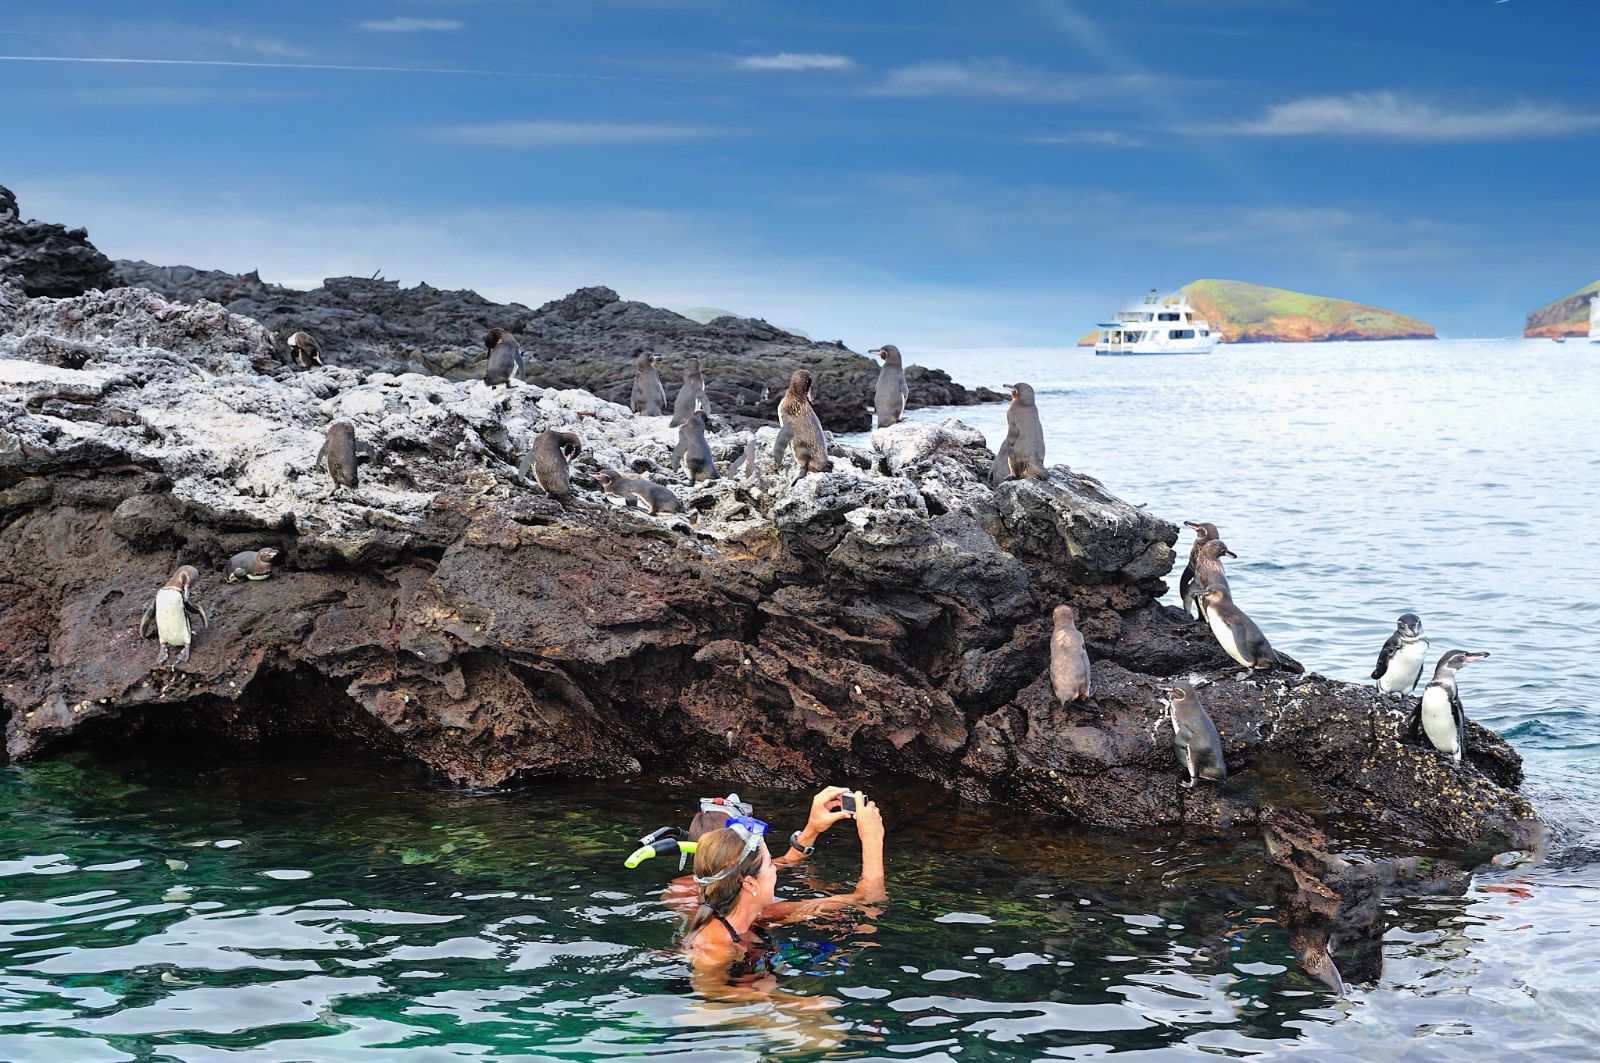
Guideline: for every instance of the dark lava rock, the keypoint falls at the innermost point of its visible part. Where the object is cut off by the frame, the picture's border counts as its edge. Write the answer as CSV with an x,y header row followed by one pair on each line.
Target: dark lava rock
x,y
46,259
585,340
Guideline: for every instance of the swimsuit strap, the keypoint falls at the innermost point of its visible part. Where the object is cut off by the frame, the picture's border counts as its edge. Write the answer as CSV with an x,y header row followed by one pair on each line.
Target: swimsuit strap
x,y
763,952
733,935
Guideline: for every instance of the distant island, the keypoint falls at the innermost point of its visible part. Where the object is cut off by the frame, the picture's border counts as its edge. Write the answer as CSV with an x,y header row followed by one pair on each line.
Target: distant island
x,y
1567,316
1254,313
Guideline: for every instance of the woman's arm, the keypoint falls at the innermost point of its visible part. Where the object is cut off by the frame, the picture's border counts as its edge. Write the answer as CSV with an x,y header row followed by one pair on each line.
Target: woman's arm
x,y
869,887
820,819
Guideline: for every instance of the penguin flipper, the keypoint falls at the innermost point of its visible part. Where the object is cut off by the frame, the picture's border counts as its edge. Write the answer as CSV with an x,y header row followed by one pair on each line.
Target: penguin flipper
x,y
144,621
1389,647
196,607
1413,728
1460,716
785,434
322,455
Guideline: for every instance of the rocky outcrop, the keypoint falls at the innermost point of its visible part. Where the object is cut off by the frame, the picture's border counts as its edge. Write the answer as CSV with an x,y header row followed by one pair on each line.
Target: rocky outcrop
x,y
46,259
1567,316
586,340
889,616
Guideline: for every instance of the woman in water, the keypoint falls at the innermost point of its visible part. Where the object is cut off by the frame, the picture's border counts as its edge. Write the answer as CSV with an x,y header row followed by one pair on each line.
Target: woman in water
x,y
727,940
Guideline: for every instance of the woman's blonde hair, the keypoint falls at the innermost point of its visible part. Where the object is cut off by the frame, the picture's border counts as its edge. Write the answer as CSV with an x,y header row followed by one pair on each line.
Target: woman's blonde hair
x,y
716,851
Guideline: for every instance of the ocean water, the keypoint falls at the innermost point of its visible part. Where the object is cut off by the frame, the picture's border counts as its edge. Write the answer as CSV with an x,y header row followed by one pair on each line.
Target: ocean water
x,y
286,904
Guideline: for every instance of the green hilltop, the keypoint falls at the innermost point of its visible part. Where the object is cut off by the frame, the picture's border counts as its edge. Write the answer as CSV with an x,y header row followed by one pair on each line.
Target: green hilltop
x,y
1567,316
1254,313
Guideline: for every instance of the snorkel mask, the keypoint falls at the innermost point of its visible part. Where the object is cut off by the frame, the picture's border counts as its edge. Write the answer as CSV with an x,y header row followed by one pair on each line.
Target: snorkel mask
x,y
663,842
752,830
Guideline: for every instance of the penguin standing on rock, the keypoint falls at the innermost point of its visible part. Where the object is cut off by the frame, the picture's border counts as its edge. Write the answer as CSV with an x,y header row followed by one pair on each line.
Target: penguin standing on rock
x,y
890,398
170,612
1070,676
1188,586
1025,433
691,396
1400,661
1235,632
1206,563
799,426
339,451
1439,716
505,358
547,460
649,397
1195,739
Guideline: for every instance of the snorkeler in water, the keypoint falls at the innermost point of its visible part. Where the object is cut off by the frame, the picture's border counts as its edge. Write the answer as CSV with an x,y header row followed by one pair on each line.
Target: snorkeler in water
x,y
737,879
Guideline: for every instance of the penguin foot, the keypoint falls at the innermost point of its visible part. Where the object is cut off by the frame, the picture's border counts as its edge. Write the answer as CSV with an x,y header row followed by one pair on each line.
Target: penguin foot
x,y
1188,785
161,658
183,655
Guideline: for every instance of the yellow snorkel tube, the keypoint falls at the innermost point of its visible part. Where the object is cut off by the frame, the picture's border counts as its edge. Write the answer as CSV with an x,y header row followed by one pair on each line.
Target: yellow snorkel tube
x,y
667,841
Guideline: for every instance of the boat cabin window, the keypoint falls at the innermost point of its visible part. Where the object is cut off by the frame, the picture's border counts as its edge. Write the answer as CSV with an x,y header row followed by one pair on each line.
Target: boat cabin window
x,y
1169,317
1181,334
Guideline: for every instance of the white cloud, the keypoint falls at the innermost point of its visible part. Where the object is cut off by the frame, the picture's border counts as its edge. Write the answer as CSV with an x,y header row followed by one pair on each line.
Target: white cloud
x,y
795,61
1391,116
411,25
574,134
1099,138
1001,79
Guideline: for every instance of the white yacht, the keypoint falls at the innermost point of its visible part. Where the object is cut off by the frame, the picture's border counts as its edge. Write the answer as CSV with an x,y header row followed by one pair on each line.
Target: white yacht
x,y
1594,318
1156,325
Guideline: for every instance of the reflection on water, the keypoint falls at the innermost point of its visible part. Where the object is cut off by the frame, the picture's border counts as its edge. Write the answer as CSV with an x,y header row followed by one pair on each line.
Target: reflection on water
x,y
211,907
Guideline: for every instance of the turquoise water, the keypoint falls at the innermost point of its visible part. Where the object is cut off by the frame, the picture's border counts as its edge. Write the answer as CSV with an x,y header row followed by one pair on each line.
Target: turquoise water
x,y
201,905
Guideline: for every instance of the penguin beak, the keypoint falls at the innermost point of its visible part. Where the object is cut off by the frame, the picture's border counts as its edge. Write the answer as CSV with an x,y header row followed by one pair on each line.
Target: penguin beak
x,y
1476,656
1191,524
1230,553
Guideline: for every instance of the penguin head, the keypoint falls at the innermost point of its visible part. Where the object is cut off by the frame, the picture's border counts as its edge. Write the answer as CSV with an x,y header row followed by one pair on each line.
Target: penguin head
x,y
1215,548
691,365
1065,615
183,578
1021,394
1456,658
1409,624
800,384
267,554
492,338
607,477
888,352
1203,530
1178,692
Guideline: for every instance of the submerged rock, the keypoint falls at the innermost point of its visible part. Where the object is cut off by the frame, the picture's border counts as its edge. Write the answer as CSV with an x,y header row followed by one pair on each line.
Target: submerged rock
x,y
889,616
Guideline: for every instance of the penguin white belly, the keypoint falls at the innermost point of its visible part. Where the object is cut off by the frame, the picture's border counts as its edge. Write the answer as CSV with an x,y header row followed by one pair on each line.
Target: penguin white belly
x,y
1224,635
1438,722
1403,669
171,624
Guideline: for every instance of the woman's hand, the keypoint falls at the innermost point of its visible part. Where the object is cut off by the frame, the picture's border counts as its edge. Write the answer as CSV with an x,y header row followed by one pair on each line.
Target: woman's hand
x,y
822,817
869,821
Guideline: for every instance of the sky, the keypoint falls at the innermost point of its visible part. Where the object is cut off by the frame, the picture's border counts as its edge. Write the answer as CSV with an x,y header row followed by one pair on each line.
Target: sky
x,y
923,172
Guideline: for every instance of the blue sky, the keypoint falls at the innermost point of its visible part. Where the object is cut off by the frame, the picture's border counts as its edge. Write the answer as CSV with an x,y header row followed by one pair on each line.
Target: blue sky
x,y
936,174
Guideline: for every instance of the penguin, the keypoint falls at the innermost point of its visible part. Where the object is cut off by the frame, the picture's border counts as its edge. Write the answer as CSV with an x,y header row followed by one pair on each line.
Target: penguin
x,y
339,451
548,458
749,464
1206,563
1400,661
250,565
170,610
1438,715
1027,442
800,426
1236,633
1188,589
1194,737
1000,468
890,399
304,351
691,395
1070,677
649,397
505,358
694,451
651,495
